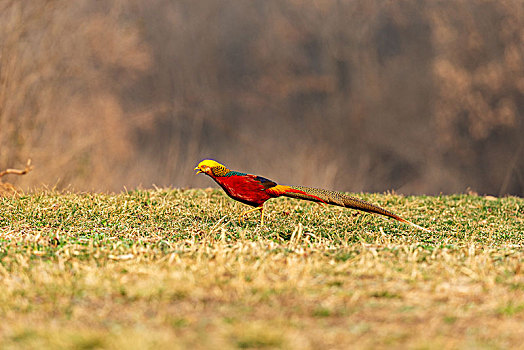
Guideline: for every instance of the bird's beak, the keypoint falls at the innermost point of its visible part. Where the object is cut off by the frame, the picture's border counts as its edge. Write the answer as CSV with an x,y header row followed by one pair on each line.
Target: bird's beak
x,y
199,171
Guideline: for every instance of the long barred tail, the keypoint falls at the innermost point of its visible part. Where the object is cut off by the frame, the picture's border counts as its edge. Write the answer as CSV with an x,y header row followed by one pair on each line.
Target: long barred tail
x,y
342,200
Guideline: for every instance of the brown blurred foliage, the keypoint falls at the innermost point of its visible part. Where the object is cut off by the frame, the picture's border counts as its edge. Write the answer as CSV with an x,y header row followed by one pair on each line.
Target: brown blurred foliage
x,y
369,95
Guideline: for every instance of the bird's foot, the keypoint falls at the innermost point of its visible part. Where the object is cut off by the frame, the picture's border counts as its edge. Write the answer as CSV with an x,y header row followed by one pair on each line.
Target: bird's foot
x,y
241,218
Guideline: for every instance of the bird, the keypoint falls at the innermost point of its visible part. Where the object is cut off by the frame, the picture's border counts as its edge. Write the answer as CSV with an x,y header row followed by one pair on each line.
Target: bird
x,y
255,190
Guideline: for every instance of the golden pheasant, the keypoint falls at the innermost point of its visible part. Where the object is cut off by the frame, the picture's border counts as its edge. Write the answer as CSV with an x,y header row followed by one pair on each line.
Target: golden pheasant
x,y
256,190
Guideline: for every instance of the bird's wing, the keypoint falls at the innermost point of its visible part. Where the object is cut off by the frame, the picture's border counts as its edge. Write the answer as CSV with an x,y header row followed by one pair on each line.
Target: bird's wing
x,y
266,183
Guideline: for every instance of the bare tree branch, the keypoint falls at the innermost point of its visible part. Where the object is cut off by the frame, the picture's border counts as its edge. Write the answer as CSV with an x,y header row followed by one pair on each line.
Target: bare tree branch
x,y
28,168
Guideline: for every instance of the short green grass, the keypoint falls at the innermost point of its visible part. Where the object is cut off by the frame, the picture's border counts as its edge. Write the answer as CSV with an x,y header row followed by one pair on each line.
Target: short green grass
x,y
175,269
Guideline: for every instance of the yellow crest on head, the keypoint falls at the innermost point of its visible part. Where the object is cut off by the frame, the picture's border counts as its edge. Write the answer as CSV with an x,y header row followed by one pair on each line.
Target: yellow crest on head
x,y
211,168
209,163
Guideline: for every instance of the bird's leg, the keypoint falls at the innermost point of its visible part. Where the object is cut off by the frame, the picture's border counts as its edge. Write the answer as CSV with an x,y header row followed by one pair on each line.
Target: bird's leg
x,y
241,218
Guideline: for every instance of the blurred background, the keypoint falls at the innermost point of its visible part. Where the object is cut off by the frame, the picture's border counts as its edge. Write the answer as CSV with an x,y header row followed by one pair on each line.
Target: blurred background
x,y
416,96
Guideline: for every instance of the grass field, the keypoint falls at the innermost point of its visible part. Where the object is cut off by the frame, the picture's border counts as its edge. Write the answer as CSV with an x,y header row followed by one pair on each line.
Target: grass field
x,y
164,269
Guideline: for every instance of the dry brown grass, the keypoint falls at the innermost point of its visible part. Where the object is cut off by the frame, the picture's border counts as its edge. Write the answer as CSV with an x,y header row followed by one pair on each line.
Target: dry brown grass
x,y
250,294
173,269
